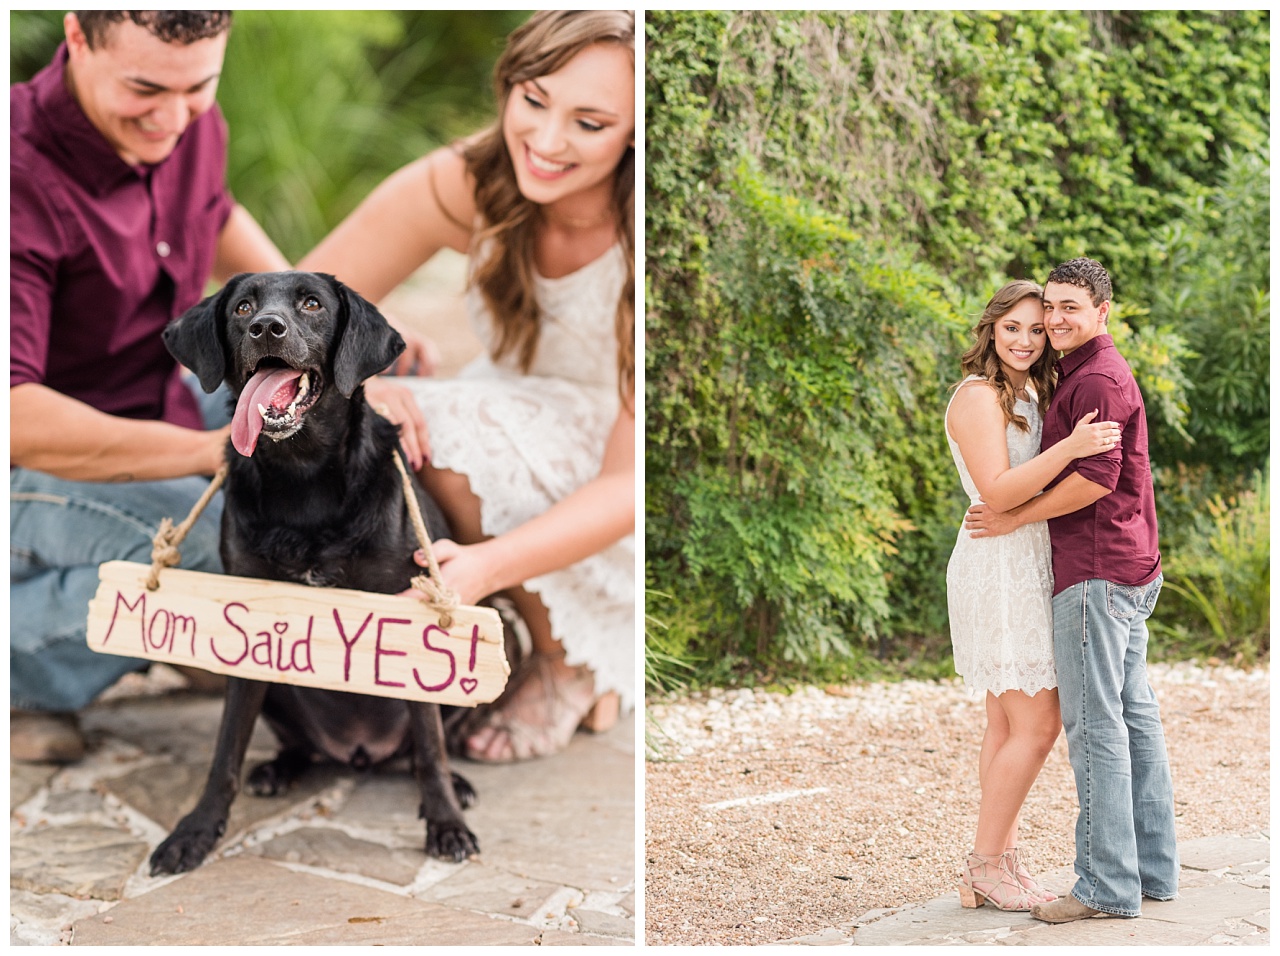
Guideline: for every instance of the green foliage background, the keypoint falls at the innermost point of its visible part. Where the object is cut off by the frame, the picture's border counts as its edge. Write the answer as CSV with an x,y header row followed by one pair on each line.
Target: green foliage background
x,y
323,105
830,199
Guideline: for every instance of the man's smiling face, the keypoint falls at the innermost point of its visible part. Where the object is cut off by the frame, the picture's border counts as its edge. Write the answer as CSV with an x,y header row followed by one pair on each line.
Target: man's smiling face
x,y
140,92
1070,316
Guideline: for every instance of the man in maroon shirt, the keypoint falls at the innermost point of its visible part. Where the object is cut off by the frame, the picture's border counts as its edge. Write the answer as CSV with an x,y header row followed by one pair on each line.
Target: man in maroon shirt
x,y
1106,567
119,216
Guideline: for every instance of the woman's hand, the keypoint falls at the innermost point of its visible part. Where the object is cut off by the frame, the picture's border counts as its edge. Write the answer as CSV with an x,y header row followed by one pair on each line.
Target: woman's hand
x,y
1093,438
397,405
421,355
463,567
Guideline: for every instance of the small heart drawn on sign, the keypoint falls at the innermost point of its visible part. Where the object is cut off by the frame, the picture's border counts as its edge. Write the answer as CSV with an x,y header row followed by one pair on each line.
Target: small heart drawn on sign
x,y
468,684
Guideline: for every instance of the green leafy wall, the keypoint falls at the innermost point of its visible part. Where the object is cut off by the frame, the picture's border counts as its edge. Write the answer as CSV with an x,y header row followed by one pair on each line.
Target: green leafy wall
x,y
830,199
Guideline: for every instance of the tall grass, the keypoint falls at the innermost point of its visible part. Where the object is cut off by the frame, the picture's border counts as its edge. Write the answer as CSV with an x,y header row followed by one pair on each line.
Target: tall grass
x,y
666,668
664,672
1218,583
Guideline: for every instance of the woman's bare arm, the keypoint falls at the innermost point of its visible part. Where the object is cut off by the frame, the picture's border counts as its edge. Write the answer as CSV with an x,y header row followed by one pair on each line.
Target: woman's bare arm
x,y
976,422
583,523
413,214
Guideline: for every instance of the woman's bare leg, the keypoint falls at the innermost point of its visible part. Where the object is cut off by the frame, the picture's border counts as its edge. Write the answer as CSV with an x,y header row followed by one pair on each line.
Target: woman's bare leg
x,y
1033,726
1021,731
452,492
532,704
995,737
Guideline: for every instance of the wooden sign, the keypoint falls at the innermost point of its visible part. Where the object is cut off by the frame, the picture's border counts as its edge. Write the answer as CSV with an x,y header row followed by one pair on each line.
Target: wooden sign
x,y
338,639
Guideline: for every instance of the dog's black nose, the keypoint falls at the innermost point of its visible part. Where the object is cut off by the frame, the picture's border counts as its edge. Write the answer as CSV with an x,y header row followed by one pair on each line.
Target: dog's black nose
x,y
271,325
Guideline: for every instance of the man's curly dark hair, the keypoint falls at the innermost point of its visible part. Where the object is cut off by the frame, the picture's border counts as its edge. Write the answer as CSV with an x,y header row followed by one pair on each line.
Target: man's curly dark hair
x,y
171,26
1084,273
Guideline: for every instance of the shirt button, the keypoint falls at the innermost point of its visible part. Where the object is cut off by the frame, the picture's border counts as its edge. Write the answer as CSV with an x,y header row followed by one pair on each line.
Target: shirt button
x,y
162,249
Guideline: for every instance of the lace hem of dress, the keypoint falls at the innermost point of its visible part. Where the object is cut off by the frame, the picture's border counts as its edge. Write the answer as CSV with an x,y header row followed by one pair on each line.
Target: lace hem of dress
x,y
976,688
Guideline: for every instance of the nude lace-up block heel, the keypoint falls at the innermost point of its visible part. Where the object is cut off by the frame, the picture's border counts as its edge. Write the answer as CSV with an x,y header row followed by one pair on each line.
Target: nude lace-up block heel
x,y
1018,866
988,879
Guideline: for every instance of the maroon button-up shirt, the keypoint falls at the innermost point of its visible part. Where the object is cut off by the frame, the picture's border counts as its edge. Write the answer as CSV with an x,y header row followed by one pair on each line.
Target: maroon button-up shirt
x,y
1116,538
104,254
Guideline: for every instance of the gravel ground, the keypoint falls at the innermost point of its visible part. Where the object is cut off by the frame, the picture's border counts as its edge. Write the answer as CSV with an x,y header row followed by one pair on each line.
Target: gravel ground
x,y
771,816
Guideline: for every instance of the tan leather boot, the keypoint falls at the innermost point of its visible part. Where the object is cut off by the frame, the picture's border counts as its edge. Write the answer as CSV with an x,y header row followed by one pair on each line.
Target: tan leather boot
x,y
1063,910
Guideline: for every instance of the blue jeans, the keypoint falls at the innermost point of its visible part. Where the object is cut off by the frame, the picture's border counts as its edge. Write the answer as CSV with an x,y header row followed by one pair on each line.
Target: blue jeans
x,y
1125,843
59,532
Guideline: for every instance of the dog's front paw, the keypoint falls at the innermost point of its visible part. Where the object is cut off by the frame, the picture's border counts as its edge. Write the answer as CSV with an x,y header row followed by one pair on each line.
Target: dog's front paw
x,y
186,847
463,790
450,841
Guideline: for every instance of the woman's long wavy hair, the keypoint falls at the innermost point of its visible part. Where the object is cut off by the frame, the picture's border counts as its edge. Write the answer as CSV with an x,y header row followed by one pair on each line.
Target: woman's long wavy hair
x,y
982,360
542,45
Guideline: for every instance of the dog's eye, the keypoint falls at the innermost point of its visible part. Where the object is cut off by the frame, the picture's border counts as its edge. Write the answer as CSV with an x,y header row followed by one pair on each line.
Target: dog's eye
x,y
243,308
311,303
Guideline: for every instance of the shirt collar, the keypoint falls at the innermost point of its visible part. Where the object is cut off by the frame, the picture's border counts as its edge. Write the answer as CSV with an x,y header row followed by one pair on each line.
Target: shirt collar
x,y
1073,360
69,138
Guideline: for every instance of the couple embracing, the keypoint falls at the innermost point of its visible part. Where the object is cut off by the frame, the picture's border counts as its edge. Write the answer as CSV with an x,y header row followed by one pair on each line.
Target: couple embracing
x,y
1049,594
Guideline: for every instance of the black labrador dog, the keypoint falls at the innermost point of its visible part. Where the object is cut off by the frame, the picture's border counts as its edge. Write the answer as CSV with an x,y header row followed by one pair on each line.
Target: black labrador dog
x,y
319,502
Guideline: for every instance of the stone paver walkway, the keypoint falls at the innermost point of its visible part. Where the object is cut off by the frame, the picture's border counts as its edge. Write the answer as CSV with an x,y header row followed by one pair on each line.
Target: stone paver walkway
x,y
1224,900
338,860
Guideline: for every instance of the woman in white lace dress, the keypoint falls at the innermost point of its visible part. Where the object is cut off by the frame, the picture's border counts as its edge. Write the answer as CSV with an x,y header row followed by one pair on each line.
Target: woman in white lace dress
x,y
999,588
530,450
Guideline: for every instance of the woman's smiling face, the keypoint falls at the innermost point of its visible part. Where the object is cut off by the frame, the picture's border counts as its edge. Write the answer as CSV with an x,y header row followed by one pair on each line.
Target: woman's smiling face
x,y
1020,337
567,131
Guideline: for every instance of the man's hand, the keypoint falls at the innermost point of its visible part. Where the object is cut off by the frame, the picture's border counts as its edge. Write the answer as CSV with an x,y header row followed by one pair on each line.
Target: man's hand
x,y
218,439
981,522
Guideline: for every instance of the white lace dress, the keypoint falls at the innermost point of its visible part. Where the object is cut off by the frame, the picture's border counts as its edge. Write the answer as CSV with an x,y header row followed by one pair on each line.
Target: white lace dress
x,y
1000,589
525,441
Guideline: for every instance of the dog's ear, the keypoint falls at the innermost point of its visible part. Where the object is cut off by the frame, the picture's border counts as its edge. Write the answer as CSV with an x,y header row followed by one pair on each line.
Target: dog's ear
x,y
195,338
368,343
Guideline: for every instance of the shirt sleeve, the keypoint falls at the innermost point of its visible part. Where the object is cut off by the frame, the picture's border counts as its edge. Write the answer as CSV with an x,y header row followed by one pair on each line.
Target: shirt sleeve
x,y
35,251
1100,391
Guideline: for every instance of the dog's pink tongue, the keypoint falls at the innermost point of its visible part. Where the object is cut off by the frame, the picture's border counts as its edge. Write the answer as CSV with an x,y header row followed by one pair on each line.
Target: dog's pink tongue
x,y
246,424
